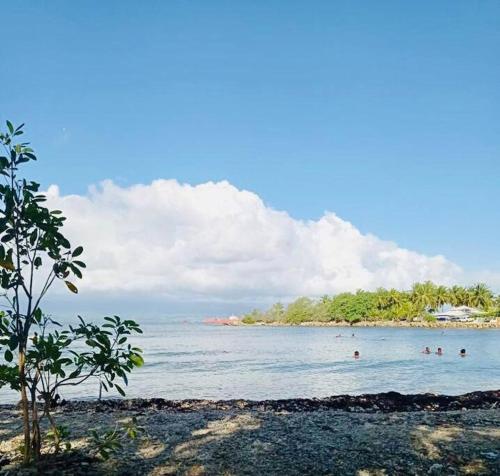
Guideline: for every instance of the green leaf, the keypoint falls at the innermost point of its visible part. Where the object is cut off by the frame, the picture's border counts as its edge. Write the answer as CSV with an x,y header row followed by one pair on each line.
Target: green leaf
x,y
77,251
64,242
137,360
37,314
14,340
120,390
76,271
8,356
71,287
10,126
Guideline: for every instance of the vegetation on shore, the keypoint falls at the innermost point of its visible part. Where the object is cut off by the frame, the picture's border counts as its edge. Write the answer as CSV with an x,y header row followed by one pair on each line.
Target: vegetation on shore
x,y
381,305
38,357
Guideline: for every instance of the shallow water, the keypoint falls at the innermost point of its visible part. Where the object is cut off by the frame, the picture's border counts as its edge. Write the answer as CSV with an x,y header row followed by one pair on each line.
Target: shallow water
x,y
187,359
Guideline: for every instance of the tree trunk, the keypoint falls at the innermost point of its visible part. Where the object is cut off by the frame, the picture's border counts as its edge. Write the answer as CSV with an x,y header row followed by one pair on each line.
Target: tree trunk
x,y
25,407
55,430
36,439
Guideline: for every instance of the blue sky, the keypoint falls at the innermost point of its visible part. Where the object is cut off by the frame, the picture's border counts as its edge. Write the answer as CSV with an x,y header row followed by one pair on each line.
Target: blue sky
x,y
386,113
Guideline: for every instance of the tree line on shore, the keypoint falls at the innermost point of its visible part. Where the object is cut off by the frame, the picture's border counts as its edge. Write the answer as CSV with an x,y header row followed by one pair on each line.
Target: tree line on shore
x,y
421,301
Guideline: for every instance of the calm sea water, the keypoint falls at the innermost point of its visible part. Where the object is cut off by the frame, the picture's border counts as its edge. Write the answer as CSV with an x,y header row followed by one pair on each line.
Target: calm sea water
x,y
187,359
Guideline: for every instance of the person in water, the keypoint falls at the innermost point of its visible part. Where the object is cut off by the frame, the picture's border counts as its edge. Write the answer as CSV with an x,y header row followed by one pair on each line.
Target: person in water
x,y
426,351
439,351
356,354
462,353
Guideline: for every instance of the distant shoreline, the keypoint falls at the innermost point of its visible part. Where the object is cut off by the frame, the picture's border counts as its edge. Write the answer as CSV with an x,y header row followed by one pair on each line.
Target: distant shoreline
x,y
494,324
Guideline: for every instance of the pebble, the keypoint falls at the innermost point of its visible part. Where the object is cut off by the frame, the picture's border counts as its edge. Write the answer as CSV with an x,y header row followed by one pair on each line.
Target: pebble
x,y
490,454
435,468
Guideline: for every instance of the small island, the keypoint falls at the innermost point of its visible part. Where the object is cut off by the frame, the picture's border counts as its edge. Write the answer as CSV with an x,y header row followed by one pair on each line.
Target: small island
x,y
424,305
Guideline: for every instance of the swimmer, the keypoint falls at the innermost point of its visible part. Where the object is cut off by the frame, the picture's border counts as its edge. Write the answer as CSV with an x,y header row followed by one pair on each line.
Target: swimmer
x,y
353,335
426,351
439,351
356,354
340,335
462,353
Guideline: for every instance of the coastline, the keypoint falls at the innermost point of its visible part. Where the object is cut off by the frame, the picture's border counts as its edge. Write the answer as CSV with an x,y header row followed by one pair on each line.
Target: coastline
x,y
376,434
494,324
369,402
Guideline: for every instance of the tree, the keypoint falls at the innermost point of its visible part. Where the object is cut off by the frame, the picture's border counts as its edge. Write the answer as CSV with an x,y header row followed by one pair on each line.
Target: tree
x,y
276,313
353,307
301,310
383,299
34,254
423,295
442,296
481,296
252,317
459,296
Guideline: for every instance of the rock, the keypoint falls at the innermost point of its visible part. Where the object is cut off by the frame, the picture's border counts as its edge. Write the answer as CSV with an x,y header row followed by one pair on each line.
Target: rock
x,y
436,468
490,454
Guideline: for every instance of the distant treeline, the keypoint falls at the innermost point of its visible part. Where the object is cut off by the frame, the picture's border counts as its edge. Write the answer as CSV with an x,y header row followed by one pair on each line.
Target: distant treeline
x,y
383,304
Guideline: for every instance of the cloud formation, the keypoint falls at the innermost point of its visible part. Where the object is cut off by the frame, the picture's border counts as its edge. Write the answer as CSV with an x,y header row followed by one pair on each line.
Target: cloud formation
x,y
215,241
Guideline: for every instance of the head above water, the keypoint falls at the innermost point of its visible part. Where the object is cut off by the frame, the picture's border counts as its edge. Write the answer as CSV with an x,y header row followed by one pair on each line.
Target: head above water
x,y
462,352
356,354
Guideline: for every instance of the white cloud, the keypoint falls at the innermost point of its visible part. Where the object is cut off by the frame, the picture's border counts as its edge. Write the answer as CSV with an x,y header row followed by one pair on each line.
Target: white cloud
x,y
217,242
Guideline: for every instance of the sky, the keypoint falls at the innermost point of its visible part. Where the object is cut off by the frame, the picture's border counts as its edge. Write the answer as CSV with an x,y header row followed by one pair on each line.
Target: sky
x,y
300,120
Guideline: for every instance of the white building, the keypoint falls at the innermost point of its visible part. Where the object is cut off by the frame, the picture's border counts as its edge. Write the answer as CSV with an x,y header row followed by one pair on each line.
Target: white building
x,y
460,313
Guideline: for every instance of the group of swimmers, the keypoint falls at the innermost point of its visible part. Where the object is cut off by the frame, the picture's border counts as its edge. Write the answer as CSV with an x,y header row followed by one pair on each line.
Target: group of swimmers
x,y
427,350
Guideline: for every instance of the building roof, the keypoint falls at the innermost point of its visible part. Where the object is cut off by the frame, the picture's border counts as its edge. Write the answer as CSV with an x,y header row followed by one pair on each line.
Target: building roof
x,y
460,311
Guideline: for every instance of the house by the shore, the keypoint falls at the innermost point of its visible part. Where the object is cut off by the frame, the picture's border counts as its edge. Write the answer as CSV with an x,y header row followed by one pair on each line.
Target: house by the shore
x,y
223,321
458,314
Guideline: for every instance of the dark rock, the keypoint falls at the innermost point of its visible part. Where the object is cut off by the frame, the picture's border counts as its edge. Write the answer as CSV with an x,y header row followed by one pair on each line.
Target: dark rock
x,y
379,402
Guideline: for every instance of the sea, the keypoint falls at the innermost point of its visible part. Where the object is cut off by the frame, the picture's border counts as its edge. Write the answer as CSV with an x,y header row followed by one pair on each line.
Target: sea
x,y
185,358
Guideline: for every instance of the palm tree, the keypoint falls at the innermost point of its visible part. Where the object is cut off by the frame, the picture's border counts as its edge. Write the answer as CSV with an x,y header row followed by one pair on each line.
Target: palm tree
x,y
442,296
423,295
481,296
459,296
382,298
407,310
396,297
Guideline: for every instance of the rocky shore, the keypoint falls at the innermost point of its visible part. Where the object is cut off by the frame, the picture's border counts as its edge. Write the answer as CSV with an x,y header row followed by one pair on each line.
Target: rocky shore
x,y
380,434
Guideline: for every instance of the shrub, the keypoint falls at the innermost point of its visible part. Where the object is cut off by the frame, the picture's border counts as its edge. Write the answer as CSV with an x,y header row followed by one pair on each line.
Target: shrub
x,y
40,356
248,319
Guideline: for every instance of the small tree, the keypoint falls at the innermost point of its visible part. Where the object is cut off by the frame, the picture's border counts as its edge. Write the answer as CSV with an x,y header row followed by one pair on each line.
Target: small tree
x,y
39,358
300,310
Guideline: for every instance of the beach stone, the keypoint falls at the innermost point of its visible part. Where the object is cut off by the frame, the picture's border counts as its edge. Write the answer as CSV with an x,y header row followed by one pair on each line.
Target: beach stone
x,y
436,468
490,455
